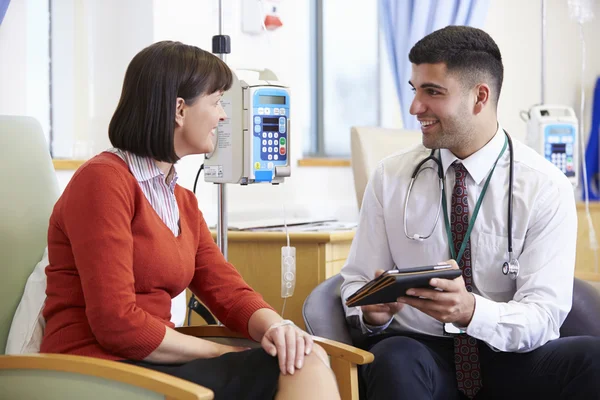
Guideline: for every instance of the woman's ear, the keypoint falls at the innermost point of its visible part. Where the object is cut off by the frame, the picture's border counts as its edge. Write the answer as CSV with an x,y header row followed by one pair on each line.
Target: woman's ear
x,y
180,112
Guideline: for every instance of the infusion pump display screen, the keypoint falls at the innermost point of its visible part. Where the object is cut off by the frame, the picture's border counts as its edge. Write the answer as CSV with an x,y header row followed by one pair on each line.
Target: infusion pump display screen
x,y
271,99
559,141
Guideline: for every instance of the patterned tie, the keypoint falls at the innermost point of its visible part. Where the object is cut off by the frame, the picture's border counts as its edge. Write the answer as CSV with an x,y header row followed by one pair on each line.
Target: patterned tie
x,y
466,352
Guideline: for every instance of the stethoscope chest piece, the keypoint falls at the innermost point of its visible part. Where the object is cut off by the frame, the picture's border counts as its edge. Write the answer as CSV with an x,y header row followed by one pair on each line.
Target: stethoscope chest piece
x,y
511,268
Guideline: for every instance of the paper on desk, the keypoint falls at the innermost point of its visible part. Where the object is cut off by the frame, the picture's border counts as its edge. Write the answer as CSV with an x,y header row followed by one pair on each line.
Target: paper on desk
x,y
326,226
273,223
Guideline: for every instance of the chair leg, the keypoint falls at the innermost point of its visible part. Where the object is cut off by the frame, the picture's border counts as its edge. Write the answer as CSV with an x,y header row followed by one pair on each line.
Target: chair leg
x,y
346,375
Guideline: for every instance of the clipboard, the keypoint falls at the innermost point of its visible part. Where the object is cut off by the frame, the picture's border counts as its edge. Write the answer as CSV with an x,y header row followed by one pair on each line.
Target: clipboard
x,y
390,285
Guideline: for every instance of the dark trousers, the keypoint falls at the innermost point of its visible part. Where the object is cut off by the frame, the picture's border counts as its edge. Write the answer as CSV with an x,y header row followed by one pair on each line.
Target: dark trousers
x,y
422,367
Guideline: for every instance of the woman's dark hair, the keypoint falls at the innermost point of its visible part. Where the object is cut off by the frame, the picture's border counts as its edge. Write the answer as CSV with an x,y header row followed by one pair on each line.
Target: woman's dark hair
x,y
467,51
144,121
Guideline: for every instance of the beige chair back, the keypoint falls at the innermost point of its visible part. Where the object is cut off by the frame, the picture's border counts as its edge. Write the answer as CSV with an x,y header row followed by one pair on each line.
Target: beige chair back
x,y
29,191
369,145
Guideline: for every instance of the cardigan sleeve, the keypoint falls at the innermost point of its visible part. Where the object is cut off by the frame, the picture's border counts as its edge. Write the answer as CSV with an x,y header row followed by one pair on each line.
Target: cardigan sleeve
x,y
220,286
96,217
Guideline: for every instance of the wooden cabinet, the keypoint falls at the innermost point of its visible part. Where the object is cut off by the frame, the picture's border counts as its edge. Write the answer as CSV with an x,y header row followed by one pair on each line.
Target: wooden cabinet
x,y
257,256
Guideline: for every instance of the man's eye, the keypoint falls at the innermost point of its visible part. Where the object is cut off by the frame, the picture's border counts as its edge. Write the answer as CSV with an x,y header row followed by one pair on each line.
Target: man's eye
x,y
433,92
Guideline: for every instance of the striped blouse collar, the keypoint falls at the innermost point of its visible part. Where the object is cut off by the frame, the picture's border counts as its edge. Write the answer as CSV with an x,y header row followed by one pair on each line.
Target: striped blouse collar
x,y
143,168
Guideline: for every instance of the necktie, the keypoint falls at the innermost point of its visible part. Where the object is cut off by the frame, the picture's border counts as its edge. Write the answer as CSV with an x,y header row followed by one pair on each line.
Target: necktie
x,y
466,352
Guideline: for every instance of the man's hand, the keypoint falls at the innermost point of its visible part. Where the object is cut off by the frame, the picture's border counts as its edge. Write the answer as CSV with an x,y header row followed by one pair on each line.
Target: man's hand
x,y
453,304
379,314
290,344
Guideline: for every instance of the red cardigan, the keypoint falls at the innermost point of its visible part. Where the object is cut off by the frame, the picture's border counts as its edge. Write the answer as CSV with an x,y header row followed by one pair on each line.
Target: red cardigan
x,y
115,266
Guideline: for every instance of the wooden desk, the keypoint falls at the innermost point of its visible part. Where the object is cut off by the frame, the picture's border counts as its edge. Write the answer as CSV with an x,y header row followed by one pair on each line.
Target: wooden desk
x,y
257,256
587,259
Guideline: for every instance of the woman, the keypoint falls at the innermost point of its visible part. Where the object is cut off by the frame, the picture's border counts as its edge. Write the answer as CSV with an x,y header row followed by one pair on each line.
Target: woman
x,y
124,239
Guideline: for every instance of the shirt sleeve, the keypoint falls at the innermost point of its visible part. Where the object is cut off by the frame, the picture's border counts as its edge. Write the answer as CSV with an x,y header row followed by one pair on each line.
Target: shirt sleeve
x,y
545,282
370,249
220,286
96,216
368,329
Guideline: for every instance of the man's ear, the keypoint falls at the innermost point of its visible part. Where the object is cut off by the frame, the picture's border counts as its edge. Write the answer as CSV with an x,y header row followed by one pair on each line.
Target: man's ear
x,y
180,111
482,97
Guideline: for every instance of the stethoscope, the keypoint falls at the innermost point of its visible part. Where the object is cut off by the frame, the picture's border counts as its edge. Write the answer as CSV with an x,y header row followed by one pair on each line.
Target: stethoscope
x,y
510,267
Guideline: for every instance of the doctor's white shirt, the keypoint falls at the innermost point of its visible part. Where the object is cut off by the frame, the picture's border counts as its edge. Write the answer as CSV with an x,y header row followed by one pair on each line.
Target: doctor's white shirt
x,y
510,315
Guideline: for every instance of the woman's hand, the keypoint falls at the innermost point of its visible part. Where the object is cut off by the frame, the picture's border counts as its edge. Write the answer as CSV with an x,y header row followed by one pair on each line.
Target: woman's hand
x,y
289,343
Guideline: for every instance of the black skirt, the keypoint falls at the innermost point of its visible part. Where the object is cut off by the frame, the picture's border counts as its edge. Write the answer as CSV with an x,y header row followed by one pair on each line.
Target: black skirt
x,y
250,374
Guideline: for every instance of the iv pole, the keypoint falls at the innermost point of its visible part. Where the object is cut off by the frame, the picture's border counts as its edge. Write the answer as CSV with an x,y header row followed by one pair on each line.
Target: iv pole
x,y
543,72
221,46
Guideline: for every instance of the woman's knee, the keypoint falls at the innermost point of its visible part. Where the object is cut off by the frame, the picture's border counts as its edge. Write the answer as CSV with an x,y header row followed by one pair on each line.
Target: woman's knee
x,y
318,354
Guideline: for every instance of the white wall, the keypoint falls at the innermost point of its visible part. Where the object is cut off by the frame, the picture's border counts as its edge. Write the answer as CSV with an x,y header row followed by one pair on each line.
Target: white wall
x,y
24,61
93,42
514,24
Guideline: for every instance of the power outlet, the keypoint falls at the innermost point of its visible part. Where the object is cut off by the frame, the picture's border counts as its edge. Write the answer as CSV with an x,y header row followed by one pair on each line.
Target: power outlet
x,y
288,271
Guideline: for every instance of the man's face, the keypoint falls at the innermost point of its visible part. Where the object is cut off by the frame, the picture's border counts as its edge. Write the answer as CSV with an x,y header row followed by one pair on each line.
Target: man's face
x,y
443,107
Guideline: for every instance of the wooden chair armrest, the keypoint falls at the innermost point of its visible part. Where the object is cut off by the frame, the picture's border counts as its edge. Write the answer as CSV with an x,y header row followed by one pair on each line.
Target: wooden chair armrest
x,y
344,358
172,387
351,354
209,331
333,348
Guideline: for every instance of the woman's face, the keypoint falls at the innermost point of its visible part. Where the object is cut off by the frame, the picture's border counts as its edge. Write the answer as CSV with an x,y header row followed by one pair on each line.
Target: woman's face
x,y
196,124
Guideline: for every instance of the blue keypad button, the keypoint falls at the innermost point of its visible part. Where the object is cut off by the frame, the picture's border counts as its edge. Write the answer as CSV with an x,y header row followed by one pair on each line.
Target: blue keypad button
x,y
257,120
257,128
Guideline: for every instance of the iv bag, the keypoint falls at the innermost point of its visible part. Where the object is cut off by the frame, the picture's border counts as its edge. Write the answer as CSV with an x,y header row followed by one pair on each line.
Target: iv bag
x,y
581,11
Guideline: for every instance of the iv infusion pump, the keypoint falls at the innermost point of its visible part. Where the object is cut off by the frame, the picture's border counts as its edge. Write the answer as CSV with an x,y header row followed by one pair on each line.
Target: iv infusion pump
x,y
253,142
552,132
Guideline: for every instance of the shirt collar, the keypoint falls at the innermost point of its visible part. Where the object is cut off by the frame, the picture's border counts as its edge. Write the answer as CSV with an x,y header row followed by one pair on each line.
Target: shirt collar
x,y
479,163
144,168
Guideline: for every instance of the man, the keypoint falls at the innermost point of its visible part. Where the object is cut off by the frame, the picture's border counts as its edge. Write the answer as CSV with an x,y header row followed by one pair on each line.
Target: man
x,y
510,347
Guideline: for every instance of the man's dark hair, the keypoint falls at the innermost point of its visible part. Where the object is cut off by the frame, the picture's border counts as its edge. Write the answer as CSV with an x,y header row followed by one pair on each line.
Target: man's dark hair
x,y
469,52
144,121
